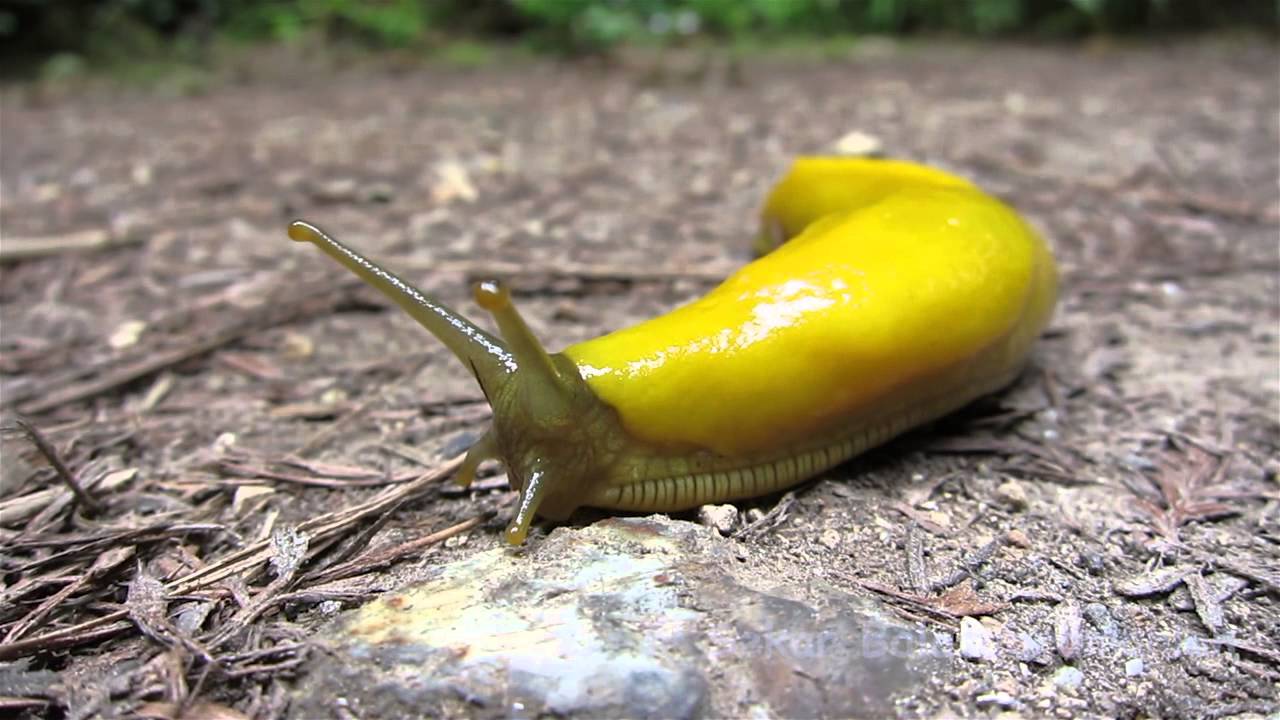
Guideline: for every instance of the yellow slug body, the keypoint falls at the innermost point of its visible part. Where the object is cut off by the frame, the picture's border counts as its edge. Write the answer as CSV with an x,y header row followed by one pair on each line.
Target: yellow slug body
x,y
917,280
898,293
817,187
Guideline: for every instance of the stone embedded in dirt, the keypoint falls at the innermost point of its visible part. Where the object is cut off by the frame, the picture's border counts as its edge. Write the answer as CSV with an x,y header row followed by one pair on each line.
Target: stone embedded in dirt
x,y
628,617
1018,538
720,517
976,641
1012,494
1100,617
337,190
1133,667
1068,678
999,699
1032,650
379,192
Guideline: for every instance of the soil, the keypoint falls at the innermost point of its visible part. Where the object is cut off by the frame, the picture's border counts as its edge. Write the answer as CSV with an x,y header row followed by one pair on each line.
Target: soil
x,y
247,426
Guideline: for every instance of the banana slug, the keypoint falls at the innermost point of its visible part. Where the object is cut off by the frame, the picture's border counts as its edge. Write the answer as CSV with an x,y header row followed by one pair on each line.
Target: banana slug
x,y
896,294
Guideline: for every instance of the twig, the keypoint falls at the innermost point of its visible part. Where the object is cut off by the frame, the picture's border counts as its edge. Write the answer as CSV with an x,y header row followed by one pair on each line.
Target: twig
x,y
253,472
25,248
105,563
770,520
289,552
64,474
132,371
916,572
968,565
386,556
938,615
1271,656
318,299
921,519
1269,580
78,634
318,529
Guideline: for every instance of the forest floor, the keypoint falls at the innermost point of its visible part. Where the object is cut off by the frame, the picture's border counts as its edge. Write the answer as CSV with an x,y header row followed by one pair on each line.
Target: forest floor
x,y
210,385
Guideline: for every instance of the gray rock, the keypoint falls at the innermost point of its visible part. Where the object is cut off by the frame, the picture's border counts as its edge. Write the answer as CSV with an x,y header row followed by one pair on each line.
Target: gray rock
x,y
635,617
1100,617
1032,650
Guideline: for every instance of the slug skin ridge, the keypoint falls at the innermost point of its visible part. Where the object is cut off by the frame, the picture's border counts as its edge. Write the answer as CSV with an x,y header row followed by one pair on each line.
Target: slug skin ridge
x,y
897,293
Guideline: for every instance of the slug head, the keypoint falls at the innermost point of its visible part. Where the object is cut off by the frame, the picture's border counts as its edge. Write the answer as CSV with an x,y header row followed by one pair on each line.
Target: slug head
x,y
554,435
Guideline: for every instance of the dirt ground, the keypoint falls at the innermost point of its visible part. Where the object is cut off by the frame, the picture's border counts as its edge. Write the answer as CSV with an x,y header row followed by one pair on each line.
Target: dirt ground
x,y
250,426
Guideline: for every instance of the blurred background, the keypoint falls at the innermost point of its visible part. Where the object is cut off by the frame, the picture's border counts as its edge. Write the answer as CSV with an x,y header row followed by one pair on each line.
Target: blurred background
x,y
61,37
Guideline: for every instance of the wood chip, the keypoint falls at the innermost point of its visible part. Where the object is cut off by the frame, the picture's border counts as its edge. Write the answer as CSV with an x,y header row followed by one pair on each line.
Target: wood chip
x,y
1153,583
1068,629
1207,606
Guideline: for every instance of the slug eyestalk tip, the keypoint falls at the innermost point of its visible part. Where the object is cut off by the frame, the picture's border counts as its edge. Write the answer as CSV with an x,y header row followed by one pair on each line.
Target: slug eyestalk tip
x,y
301,231
547,388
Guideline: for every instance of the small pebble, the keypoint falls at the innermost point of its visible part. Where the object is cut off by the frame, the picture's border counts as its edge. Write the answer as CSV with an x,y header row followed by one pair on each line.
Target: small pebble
x,y
224,443
975,640
1018,538
127,334
1068,678
720,517
1192,647
1133,667
999,699
1100,617
1012,494
1032,651
858,143
830,539
380,192
335,191
754,515
1092,563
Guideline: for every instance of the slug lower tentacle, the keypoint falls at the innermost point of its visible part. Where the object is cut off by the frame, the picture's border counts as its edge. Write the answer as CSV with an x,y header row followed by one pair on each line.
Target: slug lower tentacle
x,y
896,294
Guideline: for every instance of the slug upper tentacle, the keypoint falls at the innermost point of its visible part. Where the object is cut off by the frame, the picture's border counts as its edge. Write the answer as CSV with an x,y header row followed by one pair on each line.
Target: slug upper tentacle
x,y
898,293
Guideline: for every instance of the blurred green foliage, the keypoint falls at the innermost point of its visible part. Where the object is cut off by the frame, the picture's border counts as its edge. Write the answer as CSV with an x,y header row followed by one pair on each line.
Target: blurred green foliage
x,y
116,28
